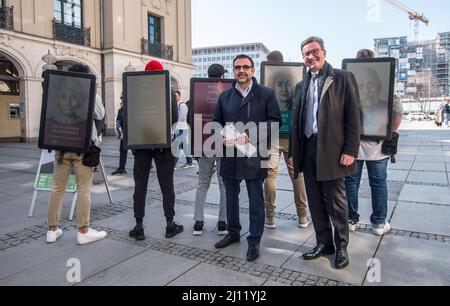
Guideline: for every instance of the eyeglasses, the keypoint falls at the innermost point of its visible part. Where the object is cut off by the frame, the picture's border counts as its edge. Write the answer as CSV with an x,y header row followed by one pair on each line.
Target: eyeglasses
x,y
313,52
245,67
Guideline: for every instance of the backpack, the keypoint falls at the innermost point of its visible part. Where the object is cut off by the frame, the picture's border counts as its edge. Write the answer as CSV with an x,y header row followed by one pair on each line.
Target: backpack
x,y
190,114
100,126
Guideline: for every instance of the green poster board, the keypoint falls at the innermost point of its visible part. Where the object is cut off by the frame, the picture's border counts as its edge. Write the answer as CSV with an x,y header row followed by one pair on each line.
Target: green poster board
x,y
286,123
44,177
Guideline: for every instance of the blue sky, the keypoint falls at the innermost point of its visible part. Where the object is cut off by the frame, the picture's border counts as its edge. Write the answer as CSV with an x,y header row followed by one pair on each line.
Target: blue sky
x,y
283,24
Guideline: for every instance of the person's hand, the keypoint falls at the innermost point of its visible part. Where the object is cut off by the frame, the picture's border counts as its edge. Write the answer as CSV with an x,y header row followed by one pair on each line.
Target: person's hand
x,y
229,143
243,139
121,136
347,160
291,162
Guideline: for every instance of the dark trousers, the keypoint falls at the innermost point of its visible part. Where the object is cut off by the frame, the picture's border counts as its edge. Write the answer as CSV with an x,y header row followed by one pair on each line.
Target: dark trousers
x,y
327,200
164,168
123,155
256,197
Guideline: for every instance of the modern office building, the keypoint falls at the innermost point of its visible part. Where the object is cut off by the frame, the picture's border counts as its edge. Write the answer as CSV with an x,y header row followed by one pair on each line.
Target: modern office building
x,y
422,68
107,36
224,55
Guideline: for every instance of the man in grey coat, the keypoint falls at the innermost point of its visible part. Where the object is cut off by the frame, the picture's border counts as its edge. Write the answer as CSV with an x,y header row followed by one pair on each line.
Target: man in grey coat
x,y
324,146
246,103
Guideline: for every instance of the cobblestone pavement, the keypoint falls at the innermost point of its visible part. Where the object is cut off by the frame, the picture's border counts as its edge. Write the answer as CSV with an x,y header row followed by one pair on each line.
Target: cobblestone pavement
x,y
415,252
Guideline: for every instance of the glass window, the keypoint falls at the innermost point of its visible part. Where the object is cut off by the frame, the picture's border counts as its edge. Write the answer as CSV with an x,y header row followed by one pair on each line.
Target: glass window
x,y
9,82
154,29
69,12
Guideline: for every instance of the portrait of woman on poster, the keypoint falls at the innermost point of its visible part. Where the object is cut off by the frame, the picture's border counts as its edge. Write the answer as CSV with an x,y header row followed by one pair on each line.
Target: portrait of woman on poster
x,y
283,83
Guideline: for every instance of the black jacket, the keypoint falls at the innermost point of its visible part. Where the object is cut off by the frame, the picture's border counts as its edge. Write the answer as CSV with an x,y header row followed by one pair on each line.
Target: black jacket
x,y
260,106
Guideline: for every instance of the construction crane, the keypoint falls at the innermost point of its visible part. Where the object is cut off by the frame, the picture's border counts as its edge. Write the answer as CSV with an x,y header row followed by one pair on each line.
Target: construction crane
x,y
413,16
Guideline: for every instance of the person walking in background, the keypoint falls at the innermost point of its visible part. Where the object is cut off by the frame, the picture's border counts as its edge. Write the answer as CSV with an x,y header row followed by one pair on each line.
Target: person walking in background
x,y
446,112
122,150
183,132
270,184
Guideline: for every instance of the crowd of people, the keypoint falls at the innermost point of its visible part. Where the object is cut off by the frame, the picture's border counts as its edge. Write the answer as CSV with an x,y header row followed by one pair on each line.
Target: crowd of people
x,y
324,154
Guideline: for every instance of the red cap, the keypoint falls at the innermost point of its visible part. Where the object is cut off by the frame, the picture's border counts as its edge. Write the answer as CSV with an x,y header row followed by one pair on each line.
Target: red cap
x,y
154,66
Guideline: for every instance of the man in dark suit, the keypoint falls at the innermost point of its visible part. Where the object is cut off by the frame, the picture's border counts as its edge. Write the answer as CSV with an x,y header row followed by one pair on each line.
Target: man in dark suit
x,y
324,145
246,103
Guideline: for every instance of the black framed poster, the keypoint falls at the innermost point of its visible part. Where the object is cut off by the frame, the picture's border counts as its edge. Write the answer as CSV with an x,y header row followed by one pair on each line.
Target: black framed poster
x,y
204,96
147,105
375,78
282,78
67,111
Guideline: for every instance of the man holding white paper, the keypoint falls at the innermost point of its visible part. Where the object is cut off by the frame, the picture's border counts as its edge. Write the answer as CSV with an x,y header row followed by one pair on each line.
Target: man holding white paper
x,y
248,111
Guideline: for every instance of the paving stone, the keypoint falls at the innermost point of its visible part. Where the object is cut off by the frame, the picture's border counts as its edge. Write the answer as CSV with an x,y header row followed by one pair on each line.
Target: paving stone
x,y
422,218
410,262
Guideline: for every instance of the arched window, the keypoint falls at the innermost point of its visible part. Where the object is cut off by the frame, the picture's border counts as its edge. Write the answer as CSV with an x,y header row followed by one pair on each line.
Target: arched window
x,y
9,78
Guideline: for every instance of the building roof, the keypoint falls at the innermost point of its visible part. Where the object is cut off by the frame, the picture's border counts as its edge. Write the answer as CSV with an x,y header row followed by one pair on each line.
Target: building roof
x,y
258,44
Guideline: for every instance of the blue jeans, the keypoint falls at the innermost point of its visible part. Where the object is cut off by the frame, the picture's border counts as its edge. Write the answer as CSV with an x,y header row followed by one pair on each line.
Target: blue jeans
x,y
378,184
446,119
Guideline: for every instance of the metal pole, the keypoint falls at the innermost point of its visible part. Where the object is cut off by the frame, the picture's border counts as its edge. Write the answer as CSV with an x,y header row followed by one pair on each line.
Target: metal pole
x,y
429,92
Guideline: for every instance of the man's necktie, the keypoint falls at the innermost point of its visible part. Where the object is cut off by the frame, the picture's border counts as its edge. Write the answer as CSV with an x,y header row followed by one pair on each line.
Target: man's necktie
x,y
310,99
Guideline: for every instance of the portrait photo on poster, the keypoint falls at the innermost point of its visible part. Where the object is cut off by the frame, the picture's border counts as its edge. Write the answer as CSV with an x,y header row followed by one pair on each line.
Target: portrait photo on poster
x,y
67,111
283,77
375,79
204,96
147,105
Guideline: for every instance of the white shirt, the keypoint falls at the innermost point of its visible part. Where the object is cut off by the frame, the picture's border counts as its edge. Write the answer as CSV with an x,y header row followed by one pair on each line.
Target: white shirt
x,y
245,92
182,116
371,150
99,114
316,102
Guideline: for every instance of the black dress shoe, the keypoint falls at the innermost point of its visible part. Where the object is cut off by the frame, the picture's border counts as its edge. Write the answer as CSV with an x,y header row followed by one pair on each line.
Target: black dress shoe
x,y
175,229
137,234
342,259
253,252
318,251
227,241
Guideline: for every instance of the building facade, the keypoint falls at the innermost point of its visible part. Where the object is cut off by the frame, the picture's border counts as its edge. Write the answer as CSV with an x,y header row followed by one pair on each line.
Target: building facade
x,y
224,55
423,67
107,36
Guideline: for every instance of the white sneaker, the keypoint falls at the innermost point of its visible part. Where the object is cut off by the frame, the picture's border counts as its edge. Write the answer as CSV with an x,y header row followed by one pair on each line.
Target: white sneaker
x,y
381,229
352,226
52,236
304,222
187,166
270,223
91,236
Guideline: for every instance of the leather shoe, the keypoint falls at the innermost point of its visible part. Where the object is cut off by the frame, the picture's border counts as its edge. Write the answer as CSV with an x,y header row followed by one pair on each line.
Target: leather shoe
x,y
342,259
226,241
318,251
253,252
